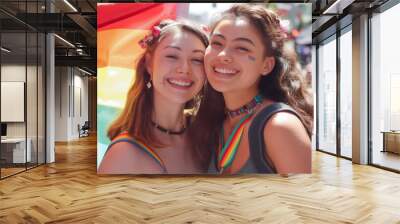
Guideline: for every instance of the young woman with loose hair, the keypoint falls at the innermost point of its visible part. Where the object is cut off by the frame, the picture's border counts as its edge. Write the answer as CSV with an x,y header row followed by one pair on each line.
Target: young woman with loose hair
x,y
149,136
256,114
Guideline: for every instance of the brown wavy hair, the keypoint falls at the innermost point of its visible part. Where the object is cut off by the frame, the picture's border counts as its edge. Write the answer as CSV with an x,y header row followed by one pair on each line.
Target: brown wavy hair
x,y
284,83
136,115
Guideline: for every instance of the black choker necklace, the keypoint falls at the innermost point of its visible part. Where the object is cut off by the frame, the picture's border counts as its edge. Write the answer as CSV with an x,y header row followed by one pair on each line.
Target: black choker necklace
x,y
248,108
165,130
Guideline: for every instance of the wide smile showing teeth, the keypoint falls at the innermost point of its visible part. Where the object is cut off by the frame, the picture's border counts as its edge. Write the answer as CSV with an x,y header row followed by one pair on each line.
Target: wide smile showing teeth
x,y
225,71
180,83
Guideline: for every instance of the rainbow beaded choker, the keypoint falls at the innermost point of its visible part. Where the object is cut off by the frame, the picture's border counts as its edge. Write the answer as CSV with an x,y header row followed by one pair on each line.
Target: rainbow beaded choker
x,y
248,108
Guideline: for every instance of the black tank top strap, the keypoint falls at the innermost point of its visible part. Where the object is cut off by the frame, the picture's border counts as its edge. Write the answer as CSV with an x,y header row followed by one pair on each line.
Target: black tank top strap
x,y
256,136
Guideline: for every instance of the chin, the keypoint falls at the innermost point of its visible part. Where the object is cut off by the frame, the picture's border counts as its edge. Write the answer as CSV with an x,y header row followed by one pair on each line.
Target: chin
x,y
181,99
219,86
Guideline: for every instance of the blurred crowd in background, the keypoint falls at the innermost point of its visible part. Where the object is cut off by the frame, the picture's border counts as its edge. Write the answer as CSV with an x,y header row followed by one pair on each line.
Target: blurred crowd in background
x,y
295,21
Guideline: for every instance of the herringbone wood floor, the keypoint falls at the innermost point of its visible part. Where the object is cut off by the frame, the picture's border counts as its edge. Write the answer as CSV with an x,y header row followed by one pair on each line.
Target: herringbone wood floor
x,y
70,191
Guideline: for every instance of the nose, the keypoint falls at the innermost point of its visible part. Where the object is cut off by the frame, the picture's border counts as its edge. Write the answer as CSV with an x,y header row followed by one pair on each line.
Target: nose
x,y
183,68
224,57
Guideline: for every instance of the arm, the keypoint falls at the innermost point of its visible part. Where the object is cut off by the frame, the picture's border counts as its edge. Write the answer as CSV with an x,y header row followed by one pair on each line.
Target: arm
x,y
125,158
287,144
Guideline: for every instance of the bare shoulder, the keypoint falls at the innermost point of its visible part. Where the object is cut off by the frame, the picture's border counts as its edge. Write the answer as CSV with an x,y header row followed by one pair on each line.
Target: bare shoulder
x,y
287,143
285,123
126,158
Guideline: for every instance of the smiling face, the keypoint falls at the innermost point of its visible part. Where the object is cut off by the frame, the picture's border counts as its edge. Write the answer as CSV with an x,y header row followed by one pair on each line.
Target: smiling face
x,y
176,67
235,58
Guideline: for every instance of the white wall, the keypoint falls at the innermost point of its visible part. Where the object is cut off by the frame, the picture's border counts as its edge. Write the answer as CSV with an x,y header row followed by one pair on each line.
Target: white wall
x,y
80,110
33,126
61,103
71,94
16,73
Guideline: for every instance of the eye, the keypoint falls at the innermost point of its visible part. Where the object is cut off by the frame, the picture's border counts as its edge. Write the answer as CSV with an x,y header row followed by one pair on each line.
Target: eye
x,y
172,57
242,49
216,44
197,61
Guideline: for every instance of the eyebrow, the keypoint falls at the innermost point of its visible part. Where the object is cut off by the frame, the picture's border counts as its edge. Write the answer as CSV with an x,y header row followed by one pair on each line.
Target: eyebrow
x,y
219,35
200,51
174,47
178,48
245,40
237,39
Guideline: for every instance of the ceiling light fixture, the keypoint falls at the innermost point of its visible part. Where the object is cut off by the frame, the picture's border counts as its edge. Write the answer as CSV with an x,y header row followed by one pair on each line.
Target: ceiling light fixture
x,y
65,41
70,5
5,50
86,72
328,10
337,7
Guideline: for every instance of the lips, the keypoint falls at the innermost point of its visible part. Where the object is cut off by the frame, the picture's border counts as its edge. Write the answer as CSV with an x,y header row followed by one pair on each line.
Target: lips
x,y
180,83
224,71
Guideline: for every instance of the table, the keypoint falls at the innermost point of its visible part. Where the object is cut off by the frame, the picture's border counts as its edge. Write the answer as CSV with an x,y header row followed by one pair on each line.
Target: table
x,y
17,150
391,141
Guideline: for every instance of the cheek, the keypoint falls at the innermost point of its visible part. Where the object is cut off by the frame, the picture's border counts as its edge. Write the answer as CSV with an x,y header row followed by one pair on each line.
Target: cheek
x,y
157,77
253,69
251,61
156,74
251,58
163,61
199,73
208,57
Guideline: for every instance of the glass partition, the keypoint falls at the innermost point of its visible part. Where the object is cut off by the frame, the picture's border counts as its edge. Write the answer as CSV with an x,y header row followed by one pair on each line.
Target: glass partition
x,y
22,77
385,89
327,96
13,105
